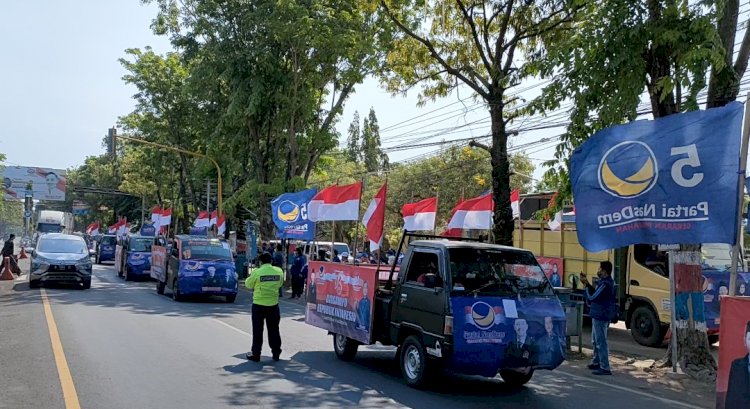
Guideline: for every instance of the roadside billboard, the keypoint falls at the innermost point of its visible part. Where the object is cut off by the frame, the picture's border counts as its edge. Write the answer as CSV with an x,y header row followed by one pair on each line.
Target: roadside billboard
x,y
733,377
46,184
340,299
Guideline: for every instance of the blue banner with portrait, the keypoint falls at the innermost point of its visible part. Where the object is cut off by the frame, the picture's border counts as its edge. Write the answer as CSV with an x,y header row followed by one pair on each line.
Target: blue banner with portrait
x,y
214,277
290,215
670,180
493,333
716,284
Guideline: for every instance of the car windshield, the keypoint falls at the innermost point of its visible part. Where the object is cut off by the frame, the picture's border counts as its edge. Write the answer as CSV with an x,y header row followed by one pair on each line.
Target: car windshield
x,y
205,250
110,241
61,245
141,244
496,272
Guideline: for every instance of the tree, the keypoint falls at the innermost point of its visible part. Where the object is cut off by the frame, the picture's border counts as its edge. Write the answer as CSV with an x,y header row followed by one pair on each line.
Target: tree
x,y
667,48
491,47
371,151
353,152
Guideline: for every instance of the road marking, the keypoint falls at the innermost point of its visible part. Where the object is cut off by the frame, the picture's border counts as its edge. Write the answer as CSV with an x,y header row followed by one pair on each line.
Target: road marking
x,y
622,388
232,327
70,396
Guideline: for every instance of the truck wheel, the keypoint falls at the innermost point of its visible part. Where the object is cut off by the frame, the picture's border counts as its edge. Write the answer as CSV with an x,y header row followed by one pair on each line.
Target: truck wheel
x,y
125,273
515,379
160,285
414,362
176,292
345,348
645,327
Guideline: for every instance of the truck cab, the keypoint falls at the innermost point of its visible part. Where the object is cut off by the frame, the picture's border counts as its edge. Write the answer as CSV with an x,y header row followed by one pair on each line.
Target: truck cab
x,y
469,307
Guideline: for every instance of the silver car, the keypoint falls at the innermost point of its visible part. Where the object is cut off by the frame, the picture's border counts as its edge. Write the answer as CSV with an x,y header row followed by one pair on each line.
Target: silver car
x,y
60,258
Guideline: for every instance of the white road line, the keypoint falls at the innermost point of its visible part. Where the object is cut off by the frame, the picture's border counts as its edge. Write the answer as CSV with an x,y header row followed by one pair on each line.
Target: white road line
x,y
622,388
232,327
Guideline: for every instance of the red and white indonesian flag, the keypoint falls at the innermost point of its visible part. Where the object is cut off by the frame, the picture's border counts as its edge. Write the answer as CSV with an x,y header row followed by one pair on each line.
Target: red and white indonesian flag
x,y
112,229
166,217
93,229
336,203
515,203
214,218
156,217
420,215
122,226
374,218
221,224
474,213
201,220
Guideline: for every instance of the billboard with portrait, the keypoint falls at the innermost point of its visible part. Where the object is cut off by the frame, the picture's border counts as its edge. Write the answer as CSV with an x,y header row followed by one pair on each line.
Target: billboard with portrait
x,y
340,299
733,378
493,333
46,184
553,269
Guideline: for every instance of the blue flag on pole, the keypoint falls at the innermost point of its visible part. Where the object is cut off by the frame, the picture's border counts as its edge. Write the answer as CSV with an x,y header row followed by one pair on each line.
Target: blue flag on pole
x,y
671,180
290,215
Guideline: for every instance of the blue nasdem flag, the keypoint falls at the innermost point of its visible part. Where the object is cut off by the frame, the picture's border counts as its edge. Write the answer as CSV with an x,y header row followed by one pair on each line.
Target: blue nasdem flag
x,y
671,180
290,215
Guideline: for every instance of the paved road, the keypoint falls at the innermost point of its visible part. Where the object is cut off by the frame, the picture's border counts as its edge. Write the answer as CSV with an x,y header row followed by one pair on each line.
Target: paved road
x,y
127,347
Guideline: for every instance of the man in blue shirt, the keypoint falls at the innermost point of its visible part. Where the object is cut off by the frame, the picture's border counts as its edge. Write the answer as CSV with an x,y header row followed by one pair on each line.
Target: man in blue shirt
x,y
602,308
336,258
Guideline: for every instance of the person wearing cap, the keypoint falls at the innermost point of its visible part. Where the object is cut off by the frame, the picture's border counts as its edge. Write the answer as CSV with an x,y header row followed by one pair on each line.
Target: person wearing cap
x,y
265,282
738,390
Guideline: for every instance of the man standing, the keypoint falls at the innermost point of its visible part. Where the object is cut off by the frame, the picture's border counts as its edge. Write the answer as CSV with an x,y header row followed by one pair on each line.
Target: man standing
x,y
8,251
738,390
602,307
299,273
336,258
265,282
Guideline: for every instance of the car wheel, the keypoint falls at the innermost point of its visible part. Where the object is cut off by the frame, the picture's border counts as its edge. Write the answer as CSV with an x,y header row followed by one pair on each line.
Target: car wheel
x,y
713,339
414,362
344,347
86,284
34,283
160,285
176,291
645,327
515,379
230,298
125,272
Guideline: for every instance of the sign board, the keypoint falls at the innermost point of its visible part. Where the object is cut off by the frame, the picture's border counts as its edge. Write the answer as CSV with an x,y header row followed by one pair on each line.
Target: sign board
x,y
340,299
733,374
46,184
553,269
159,263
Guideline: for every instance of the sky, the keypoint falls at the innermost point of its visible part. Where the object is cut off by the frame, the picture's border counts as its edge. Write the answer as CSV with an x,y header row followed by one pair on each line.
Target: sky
x,y
62,87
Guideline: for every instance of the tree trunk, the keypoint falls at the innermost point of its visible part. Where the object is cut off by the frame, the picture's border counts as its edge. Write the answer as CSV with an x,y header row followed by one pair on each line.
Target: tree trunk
x,y
693,350
725,83
503,218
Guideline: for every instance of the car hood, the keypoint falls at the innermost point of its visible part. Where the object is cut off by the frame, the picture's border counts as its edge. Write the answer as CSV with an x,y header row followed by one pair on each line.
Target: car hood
x,y
61,256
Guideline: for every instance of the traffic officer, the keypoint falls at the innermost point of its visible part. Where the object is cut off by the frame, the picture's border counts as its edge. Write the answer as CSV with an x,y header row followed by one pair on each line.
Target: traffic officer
x,y
265,282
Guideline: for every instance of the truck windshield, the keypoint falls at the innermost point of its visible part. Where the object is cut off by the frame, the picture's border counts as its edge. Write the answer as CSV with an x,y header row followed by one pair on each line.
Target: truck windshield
x,y
48,228
141,244
496,272
205,250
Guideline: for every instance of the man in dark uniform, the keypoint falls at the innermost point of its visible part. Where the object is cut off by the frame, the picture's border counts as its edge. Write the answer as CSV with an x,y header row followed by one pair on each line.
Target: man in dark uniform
x,y
550,347
738,390
265,283
518,352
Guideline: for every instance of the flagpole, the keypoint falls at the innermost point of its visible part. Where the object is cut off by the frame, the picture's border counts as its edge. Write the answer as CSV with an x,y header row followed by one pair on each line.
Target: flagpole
x,y
437,203
359,215
740,199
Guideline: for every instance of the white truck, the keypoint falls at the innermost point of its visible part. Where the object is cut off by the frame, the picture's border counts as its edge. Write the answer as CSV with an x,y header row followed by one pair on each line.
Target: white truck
x,y
52,221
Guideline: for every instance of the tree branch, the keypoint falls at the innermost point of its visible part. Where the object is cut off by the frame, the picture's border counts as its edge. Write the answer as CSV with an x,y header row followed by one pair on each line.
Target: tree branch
x,y
475,144
740,65
431,48
503,31
475,35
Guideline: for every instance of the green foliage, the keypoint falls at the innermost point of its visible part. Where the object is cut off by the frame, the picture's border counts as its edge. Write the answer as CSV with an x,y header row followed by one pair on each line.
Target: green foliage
x,y
353,152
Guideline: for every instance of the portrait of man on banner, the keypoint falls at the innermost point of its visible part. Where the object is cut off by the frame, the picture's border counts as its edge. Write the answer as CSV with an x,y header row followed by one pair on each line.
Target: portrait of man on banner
x,y
733,375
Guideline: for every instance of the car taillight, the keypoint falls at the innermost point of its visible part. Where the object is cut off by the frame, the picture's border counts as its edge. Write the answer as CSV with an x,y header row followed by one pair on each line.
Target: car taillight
x,y
448,326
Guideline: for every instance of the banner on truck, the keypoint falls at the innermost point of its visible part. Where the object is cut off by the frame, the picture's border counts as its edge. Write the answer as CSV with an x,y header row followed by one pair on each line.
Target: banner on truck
x,y
670,180
46,184
340,299
553,269
159,263
733,377
493,333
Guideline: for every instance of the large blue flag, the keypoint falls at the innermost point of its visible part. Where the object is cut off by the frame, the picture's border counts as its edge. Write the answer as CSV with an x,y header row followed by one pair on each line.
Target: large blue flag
x,y
671,180
290,215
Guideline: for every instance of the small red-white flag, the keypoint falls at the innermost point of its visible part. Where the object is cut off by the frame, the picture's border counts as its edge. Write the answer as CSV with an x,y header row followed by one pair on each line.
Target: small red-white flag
x,y
122,226
156,217
213,219
556,223
515,203
93,229
221,225
113,228
420,215
336,203
166,217
374,218
201,220
474,213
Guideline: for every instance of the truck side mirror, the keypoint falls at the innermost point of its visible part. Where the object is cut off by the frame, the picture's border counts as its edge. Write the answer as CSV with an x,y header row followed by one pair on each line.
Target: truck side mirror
x,y
433,281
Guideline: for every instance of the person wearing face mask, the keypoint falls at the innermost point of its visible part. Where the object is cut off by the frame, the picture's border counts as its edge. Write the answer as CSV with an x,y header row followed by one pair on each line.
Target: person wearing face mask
x,y
602,306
